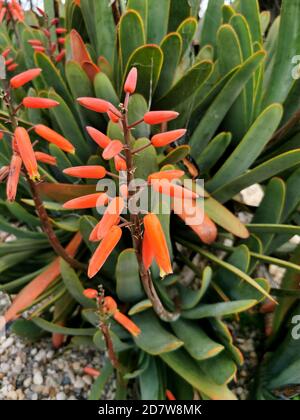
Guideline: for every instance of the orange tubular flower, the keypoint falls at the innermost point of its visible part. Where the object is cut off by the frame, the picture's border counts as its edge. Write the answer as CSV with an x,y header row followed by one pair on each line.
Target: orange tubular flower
x,y
55,138
35,42
159,117
39,48
110,307
91,293
2,14
113,149
45,158
91,172
9,62
91,372
156,238
206,229
42,103
166,175
120,163
6,52
13,177
60,31
12,67
163,139
101,139
95,104
127,323
124,191
111,217
113,116
107,245
173,190
87,202
131,81
25,77
147,251
60,56
26,151
170,396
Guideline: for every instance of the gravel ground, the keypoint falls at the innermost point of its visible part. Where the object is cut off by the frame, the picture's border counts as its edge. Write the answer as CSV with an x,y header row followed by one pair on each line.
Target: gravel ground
x,y
37,372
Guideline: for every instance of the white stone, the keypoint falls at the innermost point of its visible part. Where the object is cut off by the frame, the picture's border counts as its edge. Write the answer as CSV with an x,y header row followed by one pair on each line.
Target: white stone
x,y
61,396
7,343
38,378
27,382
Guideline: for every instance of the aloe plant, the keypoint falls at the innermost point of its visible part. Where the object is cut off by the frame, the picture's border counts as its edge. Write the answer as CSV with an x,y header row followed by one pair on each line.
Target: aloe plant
x,y
229,76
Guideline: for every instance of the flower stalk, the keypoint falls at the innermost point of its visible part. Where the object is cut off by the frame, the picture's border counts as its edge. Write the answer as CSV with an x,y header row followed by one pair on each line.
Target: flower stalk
x,y
41,211
136,228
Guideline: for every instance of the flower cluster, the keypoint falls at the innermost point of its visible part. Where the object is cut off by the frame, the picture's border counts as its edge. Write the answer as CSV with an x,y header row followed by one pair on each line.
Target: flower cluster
x,y
108,232
47,46
23,154
11,11
108,308
9,62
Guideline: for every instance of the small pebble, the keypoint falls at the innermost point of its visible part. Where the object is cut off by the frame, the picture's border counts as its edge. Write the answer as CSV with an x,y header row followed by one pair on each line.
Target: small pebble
x,y
61,396
37,378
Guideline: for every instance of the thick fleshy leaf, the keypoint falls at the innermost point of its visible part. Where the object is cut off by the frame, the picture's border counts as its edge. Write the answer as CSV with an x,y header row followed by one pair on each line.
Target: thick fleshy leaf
x,y
175,155
221,369
137,108
98,386
74,285
154,339
53,328
260,173
229,282
142,306
100,26
214,151
145,161
171,47
69,126
158,19
219,309
53,78
196,342
281,79
224,218
179,11
148,60
212,21
270,210
189,297
129,287
131,35
220,106
250,9
190,371
187,30
249,148
185,87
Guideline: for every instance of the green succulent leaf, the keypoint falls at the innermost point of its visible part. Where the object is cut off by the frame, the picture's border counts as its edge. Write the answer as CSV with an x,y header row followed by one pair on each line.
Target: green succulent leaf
x,y
148,59
129,287
189,370
130,39
154,338
196,341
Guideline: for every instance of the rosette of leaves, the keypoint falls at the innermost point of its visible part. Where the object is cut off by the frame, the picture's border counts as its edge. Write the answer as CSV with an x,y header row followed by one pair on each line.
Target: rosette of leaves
x,y
231,77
